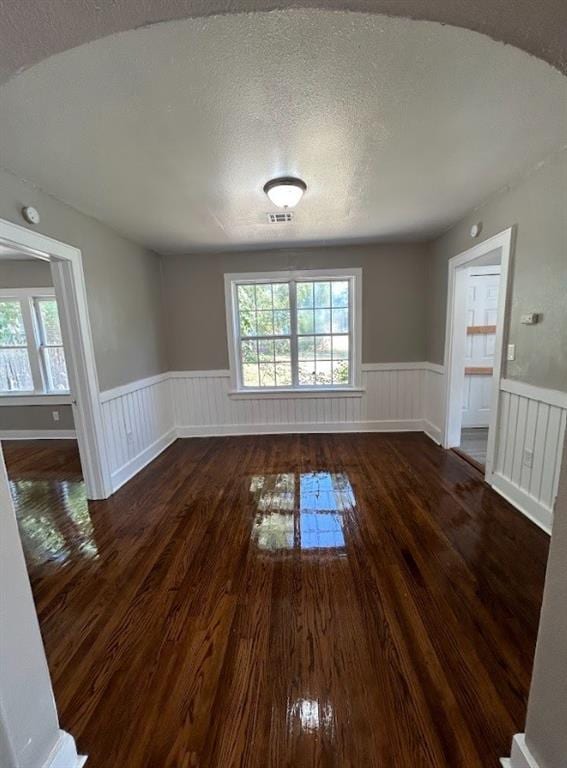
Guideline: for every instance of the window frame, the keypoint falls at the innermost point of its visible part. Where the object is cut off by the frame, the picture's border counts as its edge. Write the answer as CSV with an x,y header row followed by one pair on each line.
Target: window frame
x,y
354,278
27,297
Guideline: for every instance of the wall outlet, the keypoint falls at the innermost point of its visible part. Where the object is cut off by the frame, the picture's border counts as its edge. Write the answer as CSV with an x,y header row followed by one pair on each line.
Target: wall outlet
x,y
55,415
130,437
530,318
511,353
528,458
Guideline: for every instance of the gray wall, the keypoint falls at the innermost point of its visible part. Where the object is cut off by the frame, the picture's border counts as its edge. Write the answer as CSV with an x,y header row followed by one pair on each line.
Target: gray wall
x,y
35,417
538,206
394,299
123,285
17,273
546,731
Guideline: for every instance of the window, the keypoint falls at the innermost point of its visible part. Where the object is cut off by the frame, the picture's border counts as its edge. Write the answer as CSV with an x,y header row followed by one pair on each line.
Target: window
x,y
32,359
51,345
297,332
15,371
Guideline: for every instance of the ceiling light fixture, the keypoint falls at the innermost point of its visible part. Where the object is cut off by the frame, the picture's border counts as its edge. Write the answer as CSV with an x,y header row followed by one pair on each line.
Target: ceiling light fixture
x,y
285,192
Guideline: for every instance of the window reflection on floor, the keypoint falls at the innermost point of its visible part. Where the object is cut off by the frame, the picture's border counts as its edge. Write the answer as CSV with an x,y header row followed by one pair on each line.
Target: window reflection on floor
x,y
312,716
43,538
301,511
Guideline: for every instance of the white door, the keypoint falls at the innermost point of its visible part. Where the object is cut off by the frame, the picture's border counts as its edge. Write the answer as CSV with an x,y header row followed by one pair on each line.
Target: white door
x,y
481,314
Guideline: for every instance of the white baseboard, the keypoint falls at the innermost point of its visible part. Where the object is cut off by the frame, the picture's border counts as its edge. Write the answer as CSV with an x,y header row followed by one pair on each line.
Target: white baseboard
x,y
530,507
64,753
432,431
219,430
37,434
521,755
126,472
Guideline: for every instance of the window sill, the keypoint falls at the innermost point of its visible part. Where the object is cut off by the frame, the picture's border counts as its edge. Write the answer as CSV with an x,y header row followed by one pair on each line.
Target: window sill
x,y
39,399
295,394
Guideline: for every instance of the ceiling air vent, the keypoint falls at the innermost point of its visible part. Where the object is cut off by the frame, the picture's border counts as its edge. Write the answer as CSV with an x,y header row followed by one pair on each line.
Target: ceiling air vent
x,y
280,218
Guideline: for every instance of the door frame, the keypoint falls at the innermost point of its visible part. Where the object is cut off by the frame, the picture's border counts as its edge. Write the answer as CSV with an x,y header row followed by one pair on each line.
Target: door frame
x,y
70,290
455,345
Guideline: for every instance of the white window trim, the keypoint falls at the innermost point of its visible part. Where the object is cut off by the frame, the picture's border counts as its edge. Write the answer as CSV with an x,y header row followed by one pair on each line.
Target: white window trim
x,y
27,297
354,389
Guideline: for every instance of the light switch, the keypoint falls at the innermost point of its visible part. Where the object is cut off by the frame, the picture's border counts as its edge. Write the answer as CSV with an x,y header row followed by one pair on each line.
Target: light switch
x,y
511,352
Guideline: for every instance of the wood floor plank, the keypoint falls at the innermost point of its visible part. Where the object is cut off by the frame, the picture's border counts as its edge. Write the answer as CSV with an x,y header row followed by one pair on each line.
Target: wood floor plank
x,y
291,601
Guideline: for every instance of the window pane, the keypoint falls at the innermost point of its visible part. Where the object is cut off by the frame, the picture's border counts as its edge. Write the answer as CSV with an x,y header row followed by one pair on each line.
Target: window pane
x,y
264,296
340,293
15,373
340,372
340,320
247,323
266,351
12,332
281,323
322,321
246,297
340,347
267,375
264,323
307,372
283,350
323,349
306,347
249,351
323,372
304,294
283,375
250,375
49,318
305,321
322,294
56,370
281,295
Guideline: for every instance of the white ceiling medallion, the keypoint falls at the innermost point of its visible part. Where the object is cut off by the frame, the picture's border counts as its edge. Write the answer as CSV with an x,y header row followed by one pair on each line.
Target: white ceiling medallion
x,y
285,192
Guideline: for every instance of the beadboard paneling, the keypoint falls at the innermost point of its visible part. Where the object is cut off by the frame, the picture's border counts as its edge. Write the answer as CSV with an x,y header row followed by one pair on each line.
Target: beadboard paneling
x,y
392,400
433,389
139,424
142,418
531,419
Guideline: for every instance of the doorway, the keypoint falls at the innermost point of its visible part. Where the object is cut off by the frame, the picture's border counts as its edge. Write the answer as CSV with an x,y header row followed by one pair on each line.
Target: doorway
x,y
75,338
476,310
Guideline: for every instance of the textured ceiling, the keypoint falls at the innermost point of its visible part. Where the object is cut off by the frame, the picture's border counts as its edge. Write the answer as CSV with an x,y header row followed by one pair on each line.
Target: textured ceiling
x,y
168,133
32,30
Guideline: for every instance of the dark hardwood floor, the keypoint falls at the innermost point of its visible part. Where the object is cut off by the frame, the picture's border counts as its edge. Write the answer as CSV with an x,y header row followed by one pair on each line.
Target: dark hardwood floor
x,y
344,601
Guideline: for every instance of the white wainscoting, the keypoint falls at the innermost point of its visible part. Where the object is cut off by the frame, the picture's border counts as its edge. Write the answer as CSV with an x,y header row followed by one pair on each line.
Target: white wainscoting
x,y
531,419
138,424
143,418
392,400
433,391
